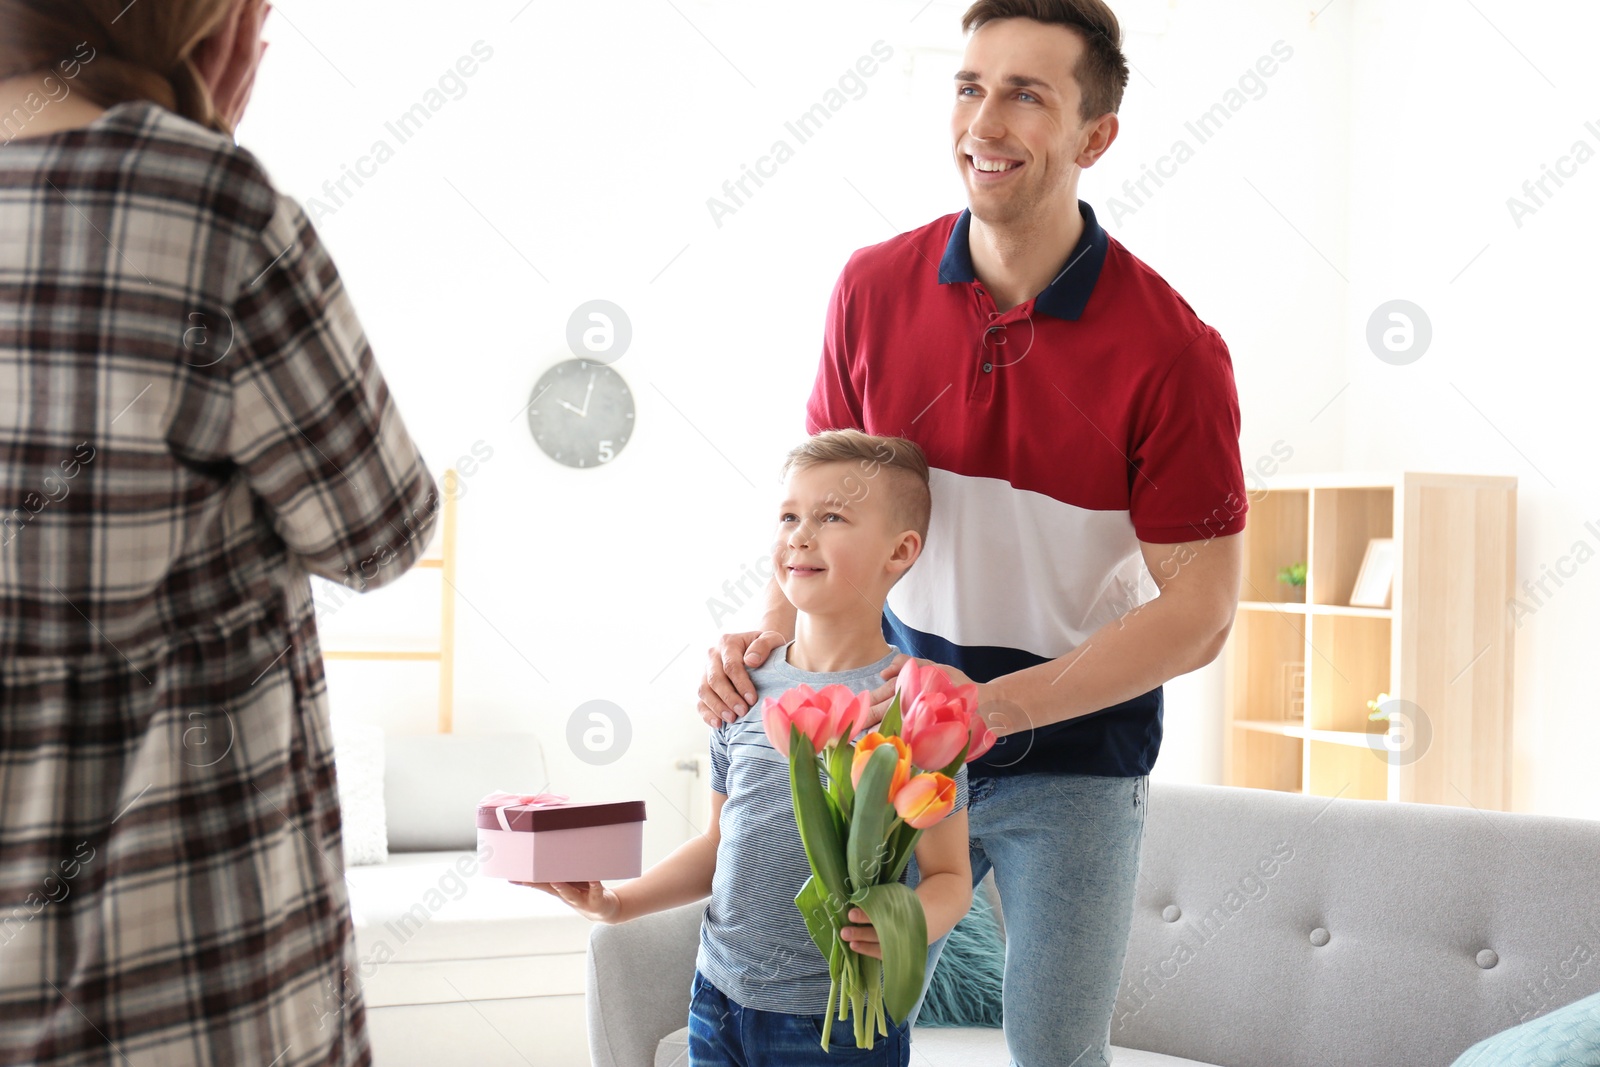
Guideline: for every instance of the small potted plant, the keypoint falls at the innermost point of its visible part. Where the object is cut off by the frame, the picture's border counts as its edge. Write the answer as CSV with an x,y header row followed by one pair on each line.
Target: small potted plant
x,y
1377,709
1294,576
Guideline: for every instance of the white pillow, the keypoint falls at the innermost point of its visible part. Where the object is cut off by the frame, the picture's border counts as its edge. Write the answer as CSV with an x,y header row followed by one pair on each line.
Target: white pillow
x,y
358,765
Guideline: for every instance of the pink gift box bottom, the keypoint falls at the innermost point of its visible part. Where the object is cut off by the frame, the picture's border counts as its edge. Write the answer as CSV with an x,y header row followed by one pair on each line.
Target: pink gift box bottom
x,y
581,854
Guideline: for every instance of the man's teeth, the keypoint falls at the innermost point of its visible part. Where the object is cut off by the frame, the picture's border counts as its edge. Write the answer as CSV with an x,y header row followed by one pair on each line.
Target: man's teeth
x,y
993,164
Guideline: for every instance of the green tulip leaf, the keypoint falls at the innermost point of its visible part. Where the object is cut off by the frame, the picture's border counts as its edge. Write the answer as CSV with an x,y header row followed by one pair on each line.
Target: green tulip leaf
x,y
902,928
839,778
892,722
867,851
819,831
901,848
822,922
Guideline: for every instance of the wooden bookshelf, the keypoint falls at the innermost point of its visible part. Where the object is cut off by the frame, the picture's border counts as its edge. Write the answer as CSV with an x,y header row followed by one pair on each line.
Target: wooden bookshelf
x,y
1301,662
440,556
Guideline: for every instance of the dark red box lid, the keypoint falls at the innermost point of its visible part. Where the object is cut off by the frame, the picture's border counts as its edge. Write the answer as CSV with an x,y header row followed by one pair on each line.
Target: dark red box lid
x,y
533,818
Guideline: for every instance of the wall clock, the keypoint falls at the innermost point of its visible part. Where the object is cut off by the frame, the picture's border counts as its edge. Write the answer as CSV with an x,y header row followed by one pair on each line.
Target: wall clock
x,y
581,413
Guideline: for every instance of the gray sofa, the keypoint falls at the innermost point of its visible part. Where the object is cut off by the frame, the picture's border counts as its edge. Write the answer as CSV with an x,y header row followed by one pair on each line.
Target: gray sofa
x,y
1270,930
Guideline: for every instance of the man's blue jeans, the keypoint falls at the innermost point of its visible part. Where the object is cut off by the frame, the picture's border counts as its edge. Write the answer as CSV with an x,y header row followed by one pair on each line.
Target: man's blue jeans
x,y
723,1033
1065,853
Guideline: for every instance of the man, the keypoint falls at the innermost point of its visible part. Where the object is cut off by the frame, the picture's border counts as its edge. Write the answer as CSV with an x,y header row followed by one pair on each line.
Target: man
x,y
1082,426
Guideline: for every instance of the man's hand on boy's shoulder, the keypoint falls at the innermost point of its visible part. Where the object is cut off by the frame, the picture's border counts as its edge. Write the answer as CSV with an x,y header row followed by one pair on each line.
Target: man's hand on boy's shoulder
x,y
726,692
882,696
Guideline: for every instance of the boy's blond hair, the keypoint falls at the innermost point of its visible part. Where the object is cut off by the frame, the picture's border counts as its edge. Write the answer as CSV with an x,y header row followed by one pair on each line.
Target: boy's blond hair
x,y
906,482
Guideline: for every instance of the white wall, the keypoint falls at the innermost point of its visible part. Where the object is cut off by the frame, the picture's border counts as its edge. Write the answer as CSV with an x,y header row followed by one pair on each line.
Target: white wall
x,y
1373,162
1453,113
1214,230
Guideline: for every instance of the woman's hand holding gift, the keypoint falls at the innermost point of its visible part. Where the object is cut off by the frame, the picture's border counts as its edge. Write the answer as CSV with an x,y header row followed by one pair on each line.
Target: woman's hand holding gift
x,y
592,900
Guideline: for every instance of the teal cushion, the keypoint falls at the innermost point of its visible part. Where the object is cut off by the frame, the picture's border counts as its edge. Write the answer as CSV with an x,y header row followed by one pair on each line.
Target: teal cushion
x,y
1566,1037
965,987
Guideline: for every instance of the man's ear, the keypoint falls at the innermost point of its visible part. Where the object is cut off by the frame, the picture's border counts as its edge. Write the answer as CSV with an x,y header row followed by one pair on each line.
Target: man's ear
x,y
1102,132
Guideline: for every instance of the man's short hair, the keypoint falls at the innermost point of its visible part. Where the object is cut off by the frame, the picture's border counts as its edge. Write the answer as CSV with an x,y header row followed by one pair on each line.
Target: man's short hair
x,y
1102,70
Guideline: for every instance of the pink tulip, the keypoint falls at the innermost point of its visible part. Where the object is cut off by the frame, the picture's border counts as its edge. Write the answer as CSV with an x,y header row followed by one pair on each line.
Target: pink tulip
x,y
822,716
926,799
938,717
935,736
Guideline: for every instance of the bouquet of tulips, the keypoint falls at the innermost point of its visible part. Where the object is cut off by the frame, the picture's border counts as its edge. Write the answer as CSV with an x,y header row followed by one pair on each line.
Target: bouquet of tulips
x,y
860,827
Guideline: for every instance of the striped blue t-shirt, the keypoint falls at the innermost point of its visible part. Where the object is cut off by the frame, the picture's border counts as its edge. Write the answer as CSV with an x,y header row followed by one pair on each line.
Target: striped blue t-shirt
x,y
753,942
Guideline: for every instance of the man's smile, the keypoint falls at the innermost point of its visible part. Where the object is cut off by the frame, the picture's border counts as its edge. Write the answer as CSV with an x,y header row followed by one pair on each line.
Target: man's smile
x,y
992,168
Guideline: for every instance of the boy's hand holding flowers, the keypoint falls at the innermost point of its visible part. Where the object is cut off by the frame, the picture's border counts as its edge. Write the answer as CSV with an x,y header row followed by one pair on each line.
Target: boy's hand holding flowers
x,y
863,937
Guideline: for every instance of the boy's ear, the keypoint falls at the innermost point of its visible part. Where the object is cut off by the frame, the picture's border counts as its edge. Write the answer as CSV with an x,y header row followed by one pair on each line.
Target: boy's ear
x,y
906,550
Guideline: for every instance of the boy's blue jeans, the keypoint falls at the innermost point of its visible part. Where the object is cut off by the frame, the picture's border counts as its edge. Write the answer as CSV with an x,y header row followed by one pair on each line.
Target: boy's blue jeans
x,y
723,1033
1065,853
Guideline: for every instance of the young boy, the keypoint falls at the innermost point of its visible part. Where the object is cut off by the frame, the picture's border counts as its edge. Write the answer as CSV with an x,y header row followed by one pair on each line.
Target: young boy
x,y
852,520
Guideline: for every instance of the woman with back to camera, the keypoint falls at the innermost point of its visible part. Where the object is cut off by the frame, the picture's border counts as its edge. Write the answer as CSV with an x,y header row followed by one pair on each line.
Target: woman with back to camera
x,y
191,422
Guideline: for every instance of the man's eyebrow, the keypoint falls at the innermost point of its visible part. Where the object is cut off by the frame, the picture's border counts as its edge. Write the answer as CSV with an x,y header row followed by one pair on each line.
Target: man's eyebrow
x,y
1020,81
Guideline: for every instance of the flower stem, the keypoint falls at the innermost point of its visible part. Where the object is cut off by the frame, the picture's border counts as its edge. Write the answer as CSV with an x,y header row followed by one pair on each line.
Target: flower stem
x,y
827,1016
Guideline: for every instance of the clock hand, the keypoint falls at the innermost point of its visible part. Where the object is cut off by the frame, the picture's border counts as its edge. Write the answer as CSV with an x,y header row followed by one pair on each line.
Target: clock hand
x,y
585,411
569,407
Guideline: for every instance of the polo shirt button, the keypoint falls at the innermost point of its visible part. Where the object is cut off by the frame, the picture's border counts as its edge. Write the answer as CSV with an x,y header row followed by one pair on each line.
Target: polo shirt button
x,y
987,367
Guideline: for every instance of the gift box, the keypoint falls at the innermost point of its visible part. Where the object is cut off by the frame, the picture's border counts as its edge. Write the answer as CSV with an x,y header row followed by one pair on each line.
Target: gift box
x,y
545,838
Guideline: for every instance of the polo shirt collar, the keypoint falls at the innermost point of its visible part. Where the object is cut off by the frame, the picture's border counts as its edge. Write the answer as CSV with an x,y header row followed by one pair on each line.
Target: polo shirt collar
x,y
1068,292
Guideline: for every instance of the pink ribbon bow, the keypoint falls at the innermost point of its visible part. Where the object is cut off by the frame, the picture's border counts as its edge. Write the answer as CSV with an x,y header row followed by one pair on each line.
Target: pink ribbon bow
x,y
500,801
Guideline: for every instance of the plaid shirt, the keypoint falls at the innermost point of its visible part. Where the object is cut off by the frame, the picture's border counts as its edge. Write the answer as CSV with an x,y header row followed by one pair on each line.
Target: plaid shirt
x,y
191,421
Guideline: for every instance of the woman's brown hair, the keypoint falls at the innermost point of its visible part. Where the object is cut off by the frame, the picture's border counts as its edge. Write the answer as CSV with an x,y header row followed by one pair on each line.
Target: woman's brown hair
x,y
120,51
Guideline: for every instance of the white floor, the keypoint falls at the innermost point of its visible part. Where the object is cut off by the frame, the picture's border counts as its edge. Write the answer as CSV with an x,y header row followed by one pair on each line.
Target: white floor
x,y
523,1032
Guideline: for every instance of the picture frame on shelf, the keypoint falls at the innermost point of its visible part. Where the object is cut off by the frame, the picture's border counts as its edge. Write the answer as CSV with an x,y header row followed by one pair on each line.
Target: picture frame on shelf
x,y
1375,581
1294,687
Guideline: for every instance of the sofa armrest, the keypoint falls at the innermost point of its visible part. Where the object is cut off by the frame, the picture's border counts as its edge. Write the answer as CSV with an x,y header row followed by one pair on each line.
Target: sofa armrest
x,y
638,980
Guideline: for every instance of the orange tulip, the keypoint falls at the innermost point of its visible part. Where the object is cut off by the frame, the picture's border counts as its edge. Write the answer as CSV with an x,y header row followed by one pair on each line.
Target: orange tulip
x,y
926,799
902,769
